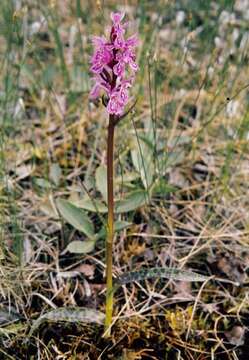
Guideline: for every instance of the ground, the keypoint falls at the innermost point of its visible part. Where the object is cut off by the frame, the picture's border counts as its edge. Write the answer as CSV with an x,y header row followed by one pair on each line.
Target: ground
x,y
181,183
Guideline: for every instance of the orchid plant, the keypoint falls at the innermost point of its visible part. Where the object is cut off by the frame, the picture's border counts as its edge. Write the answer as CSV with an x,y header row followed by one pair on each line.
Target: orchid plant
x,y
114,66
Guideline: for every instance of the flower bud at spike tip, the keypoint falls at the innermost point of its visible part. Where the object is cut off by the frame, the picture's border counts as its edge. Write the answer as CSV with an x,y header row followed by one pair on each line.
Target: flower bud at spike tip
x,y
113,64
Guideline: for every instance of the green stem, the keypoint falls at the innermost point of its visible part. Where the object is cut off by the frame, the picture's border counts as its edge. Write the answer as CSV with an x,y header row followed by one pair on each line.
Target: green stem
x,y
110,227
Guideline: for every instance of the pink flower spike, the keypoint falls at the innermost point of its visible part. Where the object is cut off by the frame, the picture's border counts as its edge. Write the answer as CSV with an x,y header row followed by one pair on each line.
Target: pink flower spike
x,y
117,17
111,62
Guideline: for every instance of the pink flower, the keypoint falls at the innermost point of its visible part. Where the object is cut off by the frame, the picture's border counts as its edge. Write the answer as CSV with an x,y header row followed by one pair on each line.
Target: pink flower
x,y
119,69
117,31
132,41
117,17
114,106
127,56
119,98
100,84
103,54
117,102
110,65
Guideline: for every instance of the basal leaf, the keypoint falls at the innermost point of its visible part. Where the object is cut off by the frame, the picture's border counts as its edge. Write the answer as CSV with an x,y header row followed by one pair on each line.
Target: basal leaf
x,y
75,217
162,188
118,226
91,205
69,315
126,178
171,159
132,201
43,183
101,181
142,158
80,247
168,273
55,173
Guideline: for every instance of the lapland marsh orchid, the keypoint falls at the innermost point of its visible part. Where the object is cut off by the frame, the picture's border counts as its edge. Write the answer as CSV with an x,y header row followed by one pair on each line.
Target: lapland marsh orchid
x,y
113,65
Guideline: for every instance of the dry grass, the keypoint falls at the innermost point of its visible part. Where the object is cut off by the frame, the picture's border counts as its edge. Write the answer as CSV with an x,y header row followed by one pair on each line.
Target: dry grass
x,y
193,89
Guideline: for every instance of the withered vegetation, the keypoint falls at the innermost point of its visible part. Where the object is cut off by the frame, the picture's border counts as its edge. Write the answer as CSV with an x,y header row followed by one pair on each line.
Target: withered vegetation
x,y
182,175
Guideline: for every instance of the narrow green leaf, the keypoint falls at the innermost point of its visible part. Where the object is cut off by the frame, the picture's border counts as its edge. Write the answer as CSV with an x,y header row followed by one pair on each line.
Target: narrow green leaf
x,y
162,188
173,158
69,315
80,247
126,178
168,273
118,226
48,75
101,181
121,225
91,205
45,184
55,173
142,158
75,217
132,201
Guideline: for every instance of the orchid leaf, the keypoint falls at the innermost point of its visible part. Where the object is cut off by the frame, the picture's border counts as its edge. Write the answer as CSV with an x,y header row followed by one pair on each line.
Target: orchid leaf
x,y
168,273
132,201
91,205
101,181
80,247
68,315
75,217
